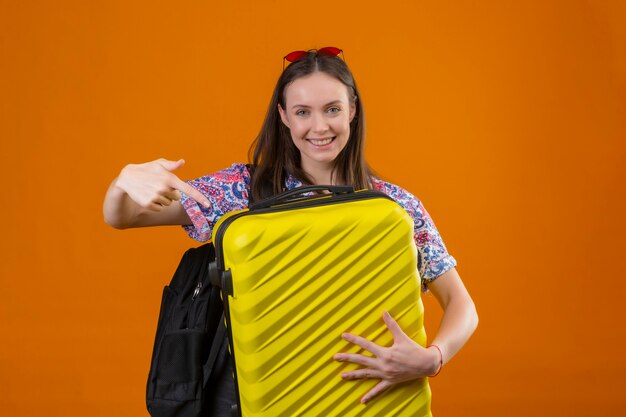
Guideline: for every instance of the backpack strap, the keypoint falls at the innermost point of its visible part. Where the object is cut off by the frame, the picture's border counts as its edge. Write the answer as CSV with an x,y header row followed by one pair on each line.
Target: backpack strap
x,y
218,340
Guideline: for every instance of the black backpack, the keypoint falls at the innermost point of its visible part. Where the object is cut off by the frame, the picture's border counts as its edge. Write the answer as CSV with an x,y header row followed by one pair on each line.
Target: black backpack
x,y
189,334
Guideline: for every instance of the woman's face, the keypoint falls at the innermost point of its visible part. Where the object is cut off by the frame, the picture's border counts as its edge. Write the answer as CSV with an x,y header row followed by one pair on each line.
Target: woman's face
x,y
318,112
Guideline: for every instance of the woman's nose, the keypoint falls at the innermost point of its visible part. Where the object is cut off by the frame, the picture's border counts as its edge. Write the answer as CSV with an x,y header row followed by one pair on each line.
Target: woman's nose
x,y
319,123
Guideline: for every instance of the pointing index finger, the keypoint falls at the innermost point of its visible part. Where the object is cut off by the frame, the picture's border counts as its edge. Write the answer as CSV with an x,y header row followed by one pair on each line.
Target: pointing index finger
x,y
182,186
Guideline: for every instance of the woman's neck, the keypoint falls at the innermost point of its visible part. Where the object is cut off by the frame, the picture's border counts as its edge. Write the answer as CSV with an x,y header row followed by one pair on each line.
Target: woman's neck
x,y
320,175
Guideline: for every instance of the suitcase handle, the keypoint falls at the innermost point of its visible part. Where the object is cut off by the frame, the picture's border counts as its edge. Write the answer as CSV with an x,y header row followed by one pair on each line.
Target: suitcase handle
x,y
289,195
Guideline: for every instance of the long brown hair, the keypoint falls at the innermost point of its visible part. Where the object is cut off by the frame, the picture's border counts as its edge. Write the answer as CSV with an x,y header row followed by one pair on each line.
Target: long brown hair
x,y
273,152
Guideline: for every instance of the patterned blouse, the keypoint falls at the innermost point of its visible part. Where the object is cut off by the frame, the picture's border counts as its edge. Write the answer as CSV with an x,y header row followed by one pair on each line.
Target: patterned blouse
x,y
227,190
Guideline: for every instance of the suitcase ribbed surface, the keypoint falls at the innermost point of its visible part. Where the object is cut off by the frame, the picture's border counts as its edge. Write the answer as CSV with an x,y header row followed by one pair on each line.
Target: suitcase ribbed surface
x,y
303,277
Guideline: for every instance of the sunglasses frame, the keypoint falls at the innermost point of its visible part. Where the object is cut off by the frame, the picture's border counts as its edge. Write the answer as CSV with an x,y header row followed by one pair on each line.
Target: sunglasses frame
x,y
325,51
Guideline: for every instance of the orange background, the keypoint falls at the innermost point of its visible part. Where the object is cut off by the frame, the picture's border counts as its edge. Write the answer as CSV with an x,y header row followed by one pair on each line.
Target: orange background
x,y
505,118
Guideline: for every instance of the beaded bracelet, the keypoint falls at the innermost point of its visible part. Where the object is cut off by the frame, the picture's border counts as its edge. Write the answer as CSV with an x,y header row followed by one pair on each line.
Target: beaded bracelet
x,y
440,361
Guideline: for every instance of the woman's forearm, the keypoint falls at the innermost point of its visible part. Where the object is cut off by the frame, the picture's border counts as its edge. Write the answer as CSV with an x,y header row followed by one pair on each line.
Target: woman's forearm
x,y
459,318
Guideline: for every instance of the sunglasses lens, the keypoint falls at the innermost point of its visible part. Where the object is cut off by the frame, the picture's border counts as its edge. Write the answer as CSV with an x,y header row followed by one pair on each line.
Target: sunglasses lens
x,y
294,56
329,51
297,55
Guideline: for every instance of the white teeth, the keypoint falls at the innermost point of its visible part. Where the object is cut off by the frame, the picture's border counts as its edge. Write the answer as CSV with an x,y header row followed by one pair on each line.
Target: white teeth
x,y
321,142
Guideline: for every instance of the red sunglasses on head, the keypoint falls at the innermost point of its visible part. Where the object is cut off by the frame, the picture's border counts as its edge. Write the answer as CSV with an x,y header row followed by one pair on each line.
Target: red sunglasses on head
x,y
298,55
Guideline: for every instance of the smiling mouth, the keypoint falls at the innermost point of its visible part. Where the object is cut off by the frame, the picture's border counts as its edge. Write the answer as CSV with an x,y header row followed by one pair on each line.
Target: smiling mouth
x,y
321,142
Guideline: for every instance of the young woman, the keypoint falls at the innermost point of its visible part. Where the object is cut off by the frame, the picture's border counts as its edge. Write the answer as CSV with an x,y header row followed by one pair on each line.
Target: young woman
x,y
313,133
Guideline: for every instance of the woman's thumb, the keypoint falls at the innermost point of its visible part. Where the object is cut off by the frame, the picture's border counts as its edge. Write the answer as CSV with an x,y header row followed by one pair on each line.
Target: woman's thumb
x,y
171,165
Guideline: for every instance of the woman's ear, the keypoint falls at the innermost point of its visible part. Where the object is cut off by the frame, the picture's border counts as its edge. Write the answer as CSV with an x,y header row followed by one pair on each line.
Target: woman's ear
x,y
283,116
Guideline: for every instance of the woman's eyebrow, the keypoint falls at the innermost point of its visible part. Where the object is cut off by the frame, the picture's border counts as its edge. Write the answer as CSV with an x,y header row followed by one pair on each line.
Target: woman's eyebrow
x,y
308,107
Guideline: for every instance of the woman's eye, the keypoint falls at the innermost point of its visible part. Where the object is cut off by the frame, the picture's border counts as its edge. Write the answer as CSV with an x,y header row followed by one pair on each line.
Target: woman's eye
x,y
334,110
300,112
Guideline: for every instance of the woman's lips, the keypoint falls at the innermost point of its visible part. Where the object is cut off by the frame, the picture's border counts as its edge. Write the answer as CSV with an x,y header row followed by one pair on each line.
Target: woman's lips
x,y
321,141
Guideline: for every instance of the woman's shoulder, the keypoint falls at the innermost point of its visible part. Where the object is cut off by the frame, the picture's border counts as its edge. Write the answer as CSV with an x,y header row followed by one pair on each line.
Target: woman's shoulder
x,y
399,194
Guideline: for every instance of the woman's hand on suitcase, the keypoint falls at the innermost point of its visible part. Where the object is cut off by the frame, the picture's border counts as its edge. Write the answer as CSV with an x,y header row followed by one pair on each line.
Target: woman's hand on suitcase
x,y
153,185
404,361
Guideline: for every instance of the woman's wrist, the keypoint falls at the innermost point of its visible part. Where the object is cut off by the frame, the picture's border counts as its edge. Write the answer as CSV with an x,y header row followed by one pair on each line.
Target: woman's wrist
x,y
438,360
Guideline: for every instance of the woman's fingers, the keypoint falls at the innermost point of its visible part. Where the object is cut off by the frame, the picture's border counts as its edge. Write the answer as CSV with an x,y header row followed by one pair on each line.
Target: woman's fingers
x,y
380,387
156,207
181,185
170,165
401,362
355,358
172,194
364,343
393,327
163,200
154,184
366,373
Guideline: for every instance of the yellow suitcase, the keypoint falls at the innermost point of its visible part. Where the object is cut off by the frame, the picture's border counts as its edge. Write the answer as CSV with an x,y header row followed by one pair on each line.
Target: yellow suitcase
x,y
295,275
